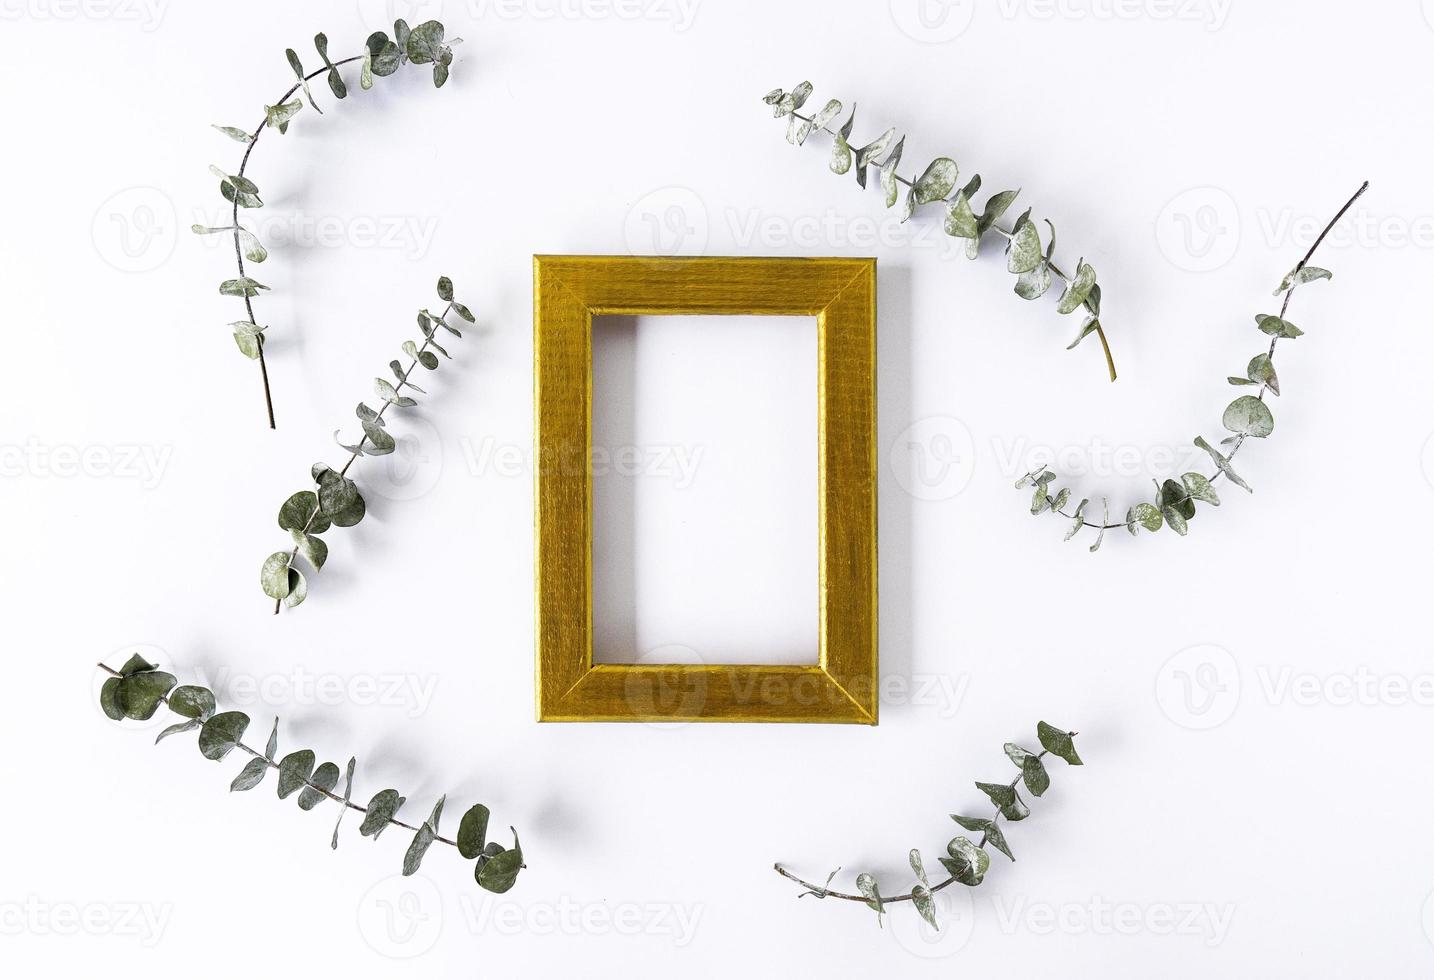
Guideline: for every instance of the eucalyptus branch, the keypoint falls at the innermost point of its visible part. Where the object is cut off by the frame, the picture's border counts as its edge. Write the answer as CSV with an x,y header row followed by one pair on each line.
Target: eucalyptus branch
x,y
1025,257
965,862
138,688
1247,417
335,500
423,44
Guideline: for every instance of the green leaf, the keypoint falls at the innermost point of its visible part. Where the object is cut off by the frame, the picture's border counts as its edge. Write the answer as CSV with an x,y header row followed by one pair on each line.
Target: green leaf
x,y
960,219
936,181
380,442
826,114
249,338
109,699
278,116
1300,275
1276,327
272,745
221,733
235,134
1034,775
383,54
344,804
250,776
1078,289
298,588
298,513
997,839
1199,488
314,550
840,161
1223,464
1024,251
321,783
866,884
1077,524
294,770
473,831
499,872
1249,416
1091,325
1261,370
1016,754
1145,515
250,245
190,701
425,43
1062,498
418,847
135,665
183,726
141,693
381,810
1176,520
389,394
445,289
1006,800
925,904
966,862
465,313
243,287
890,186
1174,496
1058,743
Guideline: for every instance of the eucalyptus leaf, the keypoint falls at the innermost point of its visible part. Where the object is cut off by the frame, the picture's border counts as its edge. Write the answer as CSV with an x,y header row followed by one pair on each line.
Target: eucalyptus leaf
x,y
294,771
473,831
1058,743
321,783
1249,416
220,734
250,776
381,811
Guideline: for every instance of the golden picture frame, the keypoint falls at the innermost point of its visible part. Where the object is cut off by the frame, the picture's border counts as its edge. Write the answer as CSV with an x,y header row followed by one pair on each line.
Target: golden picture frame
x,y
568,291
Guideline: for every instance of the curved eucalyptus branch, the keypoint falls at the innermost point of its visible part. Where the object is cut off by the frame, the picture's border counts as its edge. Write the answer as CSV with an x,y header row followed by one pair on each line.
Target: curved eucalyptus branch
x,y
1026,258
1247,417
138,688
335,500
965,862
423,44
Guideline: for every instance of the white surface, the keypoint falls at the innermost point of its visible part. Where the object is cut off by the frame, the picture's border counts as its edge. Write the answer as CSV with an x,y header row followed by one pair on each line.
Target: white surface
x,y
1291,838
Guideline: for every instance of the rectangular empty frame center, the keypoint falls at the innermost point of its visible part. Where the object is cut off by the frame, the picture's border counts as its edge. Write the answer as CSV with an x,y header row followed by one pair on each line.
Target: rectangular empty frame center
x,y
569,291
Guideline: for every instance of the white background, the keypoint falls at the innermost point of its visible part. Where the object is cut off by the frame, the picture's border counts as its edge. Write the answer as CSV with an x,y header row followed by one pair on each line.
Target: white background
x,y
1253,700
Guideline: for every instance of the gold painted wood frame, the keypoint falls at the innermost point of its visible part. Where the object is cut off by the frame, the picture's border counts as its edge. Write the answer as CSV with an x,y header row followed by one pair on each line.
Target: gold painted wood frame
x,y
568,291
